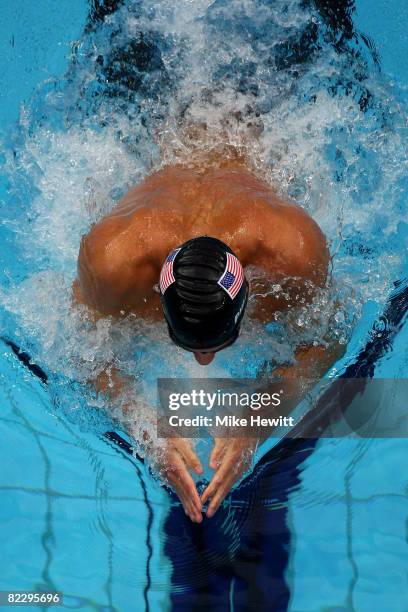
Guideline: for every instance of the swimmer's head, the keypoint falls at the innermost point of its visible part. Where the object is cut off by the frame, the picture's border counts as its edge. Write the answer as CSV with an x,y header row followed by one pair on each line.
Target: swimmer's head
x,y
204,294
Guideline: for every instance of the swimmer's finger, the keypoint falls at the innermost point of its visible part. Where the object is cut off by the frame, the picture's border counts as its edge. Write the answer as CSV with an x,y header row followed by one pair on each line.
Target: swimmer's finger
x,y
186,490
215,484
218,451
225,476
210,491
189,507
190,457
222,491
217,499
189,497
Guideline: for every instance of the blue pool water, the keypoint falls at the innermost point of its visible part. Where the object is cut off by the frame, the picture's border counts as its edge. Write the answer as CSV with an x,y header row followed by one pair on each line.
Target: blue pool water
x,y
321,106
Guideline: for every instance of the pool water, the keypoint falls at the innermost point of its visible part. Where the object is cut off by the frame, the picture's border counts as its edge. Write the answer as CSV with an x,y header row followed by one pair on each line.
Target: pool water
x,y
91,100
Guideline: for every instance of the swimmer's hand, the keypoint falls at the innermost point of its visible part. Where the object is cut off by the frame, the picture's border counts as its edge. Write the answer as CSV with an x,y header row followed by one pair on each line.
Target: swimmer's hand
x,y
230,457
176,460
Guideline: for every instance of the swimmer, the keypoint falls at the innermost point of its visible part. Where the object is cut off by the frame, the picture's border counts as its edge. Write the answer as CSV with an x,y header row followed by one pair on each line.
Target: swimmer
x,y
177,246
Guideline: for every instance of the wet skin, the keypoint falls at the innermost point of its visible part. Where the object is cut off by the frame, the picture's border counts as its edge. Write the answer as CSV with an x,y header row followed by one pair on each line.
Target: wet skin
x,y
120,260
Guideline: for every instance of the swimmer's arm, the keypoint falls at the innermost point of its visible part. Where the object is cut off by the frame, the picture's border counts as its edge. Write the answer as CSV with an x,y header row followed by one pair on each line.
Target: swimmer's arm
x,y
111,382
311,362
117,268
294,254
231,457
78,298
178,457
310,365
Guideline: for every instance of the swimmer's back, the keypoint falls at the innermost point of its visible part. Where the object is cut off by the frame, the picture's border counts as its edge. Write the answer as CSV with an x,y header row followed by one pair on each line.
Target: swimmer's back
x,y
121,257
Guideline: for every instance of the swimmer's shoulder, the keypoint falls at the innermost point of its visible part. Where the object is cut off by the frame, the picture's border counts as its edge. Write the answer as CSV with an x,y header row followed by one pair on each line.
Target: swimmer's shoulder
x,y
120,257
118,265
290,242
274,234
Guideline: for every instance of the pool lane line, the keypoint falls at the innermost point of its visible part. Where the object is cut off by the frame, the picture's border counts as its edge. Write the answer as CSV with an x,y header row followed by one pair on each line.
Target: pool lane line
x,y
25,359
113,437
39,373
116,439
130,451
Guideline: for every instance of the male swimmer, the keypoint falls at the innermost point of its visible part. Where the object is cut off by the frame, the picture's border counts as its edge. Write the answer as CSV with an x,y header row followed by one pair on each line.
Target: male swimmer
x,y
177,245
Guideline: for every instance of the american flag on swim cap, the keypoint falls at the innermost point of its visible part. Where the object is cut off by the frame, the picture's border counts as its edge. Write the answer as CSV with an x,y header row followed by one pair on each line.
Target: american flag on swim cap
x,y
166,274
233,276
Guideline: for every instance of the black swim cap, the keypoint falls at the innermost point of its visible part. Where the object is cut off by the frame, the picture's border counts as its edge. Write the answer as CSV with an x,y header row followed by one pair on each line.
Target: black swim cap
x,y
203,293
